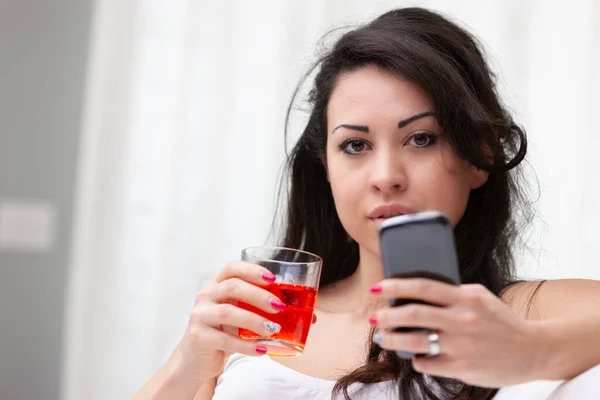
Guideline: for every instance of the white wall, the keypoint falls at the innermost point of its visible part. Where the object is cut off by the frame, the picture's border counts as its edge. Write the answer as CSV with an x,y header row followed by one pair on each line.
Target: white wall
x,y
43,54
174,86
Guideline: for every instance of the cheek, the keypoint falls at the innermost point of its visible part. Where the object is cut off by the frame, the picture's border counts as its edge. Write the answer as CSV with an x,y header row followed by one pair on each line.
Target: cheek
x,y
345,187
456,206
341,177
348,189
458,179
446,189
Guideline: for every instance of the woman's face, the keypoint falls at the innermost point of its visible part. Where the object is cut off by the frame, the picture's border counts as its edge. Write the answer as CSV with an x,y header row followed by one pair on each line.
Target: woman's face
x,y
384,148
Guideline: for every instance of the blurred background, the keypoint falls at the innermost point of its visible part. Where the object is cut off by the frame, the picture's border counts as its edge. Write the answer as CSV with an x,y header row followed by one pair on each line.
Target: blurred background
x,y
141,144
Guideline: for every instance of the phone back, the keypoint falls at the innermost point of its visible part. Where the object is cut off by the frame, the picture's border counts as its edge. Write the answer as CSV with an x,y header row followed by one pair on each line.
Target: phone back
x,y
419,245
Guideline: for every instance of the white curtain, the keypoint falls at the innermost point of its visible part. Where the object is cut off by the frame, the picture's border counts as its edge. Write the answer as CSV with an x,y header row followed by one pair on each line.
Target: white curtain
x,y
183,146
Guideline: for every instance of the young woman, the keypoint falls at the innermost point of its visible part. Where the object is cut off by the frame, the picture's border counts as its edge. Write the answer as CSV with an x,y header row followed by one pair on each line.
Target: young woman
x,y
405,117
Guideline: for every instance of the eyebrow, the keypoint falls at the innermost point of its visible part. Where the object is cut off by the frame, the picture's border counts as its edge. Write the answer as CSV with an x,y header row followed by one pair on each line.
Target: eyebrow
x,y
403,123
407,121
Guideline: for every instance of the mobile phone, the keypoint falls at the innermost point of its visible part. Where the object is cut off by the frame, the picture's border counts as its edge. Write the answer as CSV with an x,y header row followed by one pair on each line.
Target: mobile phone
x,y
419,245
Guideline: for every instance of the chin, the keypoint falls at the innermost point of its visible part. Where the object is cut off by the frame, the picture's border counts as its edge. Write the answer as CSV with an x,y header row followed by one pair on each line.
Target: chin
x,y
366,234
369,245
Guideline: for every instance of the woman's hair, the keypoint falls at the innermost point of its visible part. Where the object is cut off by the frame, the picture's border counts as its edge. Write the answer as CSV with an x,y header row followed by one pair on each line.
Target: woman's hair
x,y
447,62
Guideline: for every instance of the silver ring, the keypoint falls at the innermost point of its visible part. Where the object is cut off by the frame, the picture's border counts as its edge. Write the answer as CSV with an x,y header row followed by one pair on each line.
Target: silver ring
x,y
434,344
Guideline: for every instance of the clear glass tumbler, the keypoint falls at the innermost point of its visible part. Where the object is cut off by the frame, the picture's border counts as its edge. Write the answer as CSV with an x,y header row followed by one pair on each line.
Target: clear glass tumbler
x,y
297,282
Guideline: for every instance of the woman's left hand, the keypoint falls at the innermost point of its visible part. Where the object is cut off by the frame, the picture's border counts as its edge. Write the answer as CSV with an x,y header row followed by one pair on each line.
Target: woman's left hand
x,y
482,341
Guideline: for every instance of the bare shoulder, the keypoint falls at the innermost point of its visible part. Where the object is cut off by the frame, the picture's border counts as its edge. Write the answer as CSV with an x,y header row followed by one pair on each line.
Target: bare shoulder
x,y
552,298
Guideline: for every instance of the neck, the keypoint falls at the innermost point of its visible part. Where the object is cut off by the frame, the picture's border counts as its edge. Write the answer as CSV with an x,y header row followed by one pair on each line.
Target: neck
x,y
352,295
368,273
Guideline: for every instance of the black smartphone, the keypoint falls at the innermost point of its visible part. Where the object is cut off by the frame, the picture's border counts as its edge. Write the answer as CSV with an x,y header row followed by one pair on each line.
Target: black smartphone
x,y
419,245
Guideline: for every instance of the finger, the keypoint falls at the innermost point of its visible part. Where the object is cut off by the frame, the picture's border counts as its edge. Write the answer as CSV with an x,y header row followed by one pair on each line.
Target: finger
x,y
233,344
413,342
236,289
427,290
413,315
441,365
246,271
230,315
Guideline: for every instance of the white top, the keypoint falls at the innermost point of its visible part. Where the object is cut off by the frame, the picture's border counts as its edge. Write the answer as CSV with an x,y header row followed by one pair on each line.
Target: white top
x,y
261,378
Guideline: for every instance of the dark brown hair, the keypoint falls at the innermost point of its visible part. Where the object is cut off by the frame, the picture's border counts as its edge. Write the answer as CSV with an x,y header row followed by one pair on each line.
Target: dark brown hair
x,y
447,62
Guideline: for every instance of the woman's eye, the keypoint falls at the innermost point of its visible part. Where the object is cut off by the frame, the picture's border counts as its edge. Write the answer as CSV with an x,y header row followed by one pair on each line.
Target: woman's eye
x,y
422,139
353,146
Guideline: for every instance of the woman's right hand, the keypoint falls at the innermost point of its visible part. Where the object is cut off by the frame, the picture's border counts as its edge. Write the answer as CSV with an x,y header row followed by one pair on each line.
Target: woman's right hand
x,y
211,334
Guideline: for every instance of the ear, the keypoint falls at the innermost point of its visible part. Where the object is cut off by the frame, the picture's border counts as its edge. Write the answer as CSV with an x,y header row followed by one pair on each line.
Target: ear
x,y
478,177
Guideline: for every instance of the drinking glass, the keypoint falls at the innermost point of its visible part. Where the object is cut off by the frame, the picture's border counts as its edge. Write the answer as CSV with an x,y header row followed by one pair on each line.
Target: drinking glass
x,y
297,275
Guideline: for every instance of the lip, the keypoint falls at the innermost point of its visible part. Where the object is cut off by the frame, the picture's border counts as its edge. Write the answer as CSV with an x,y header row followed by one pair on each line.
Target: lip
x,y
385,211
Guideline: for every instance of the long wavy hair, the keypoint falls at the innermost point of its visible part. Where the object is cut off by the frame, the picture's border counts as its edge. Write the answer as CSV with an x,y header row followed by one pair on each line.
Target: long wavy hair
x,y
448,63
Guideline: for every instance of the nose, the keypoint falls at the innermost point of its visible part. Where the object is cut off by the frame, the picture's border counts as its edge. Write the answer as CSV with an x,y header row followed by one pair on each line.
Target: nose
x,y
387,173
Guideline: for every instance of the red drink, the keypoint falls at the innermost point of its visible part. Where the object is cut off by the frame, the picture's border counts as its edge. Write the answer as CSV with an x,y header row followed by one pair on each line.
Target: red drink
x,y
295,320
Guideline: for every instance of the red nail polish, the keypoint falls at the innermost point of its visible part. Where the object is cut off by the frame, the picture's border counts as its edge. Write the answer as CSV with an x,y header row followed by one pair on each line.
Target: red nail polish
x,y
373,320
276,304
260,349
267,276
376,289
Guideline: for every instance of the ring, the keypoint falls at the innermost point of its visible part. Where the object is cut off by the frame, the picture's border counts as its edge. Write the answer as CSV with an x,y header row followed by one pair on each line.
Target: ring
x,y
434,344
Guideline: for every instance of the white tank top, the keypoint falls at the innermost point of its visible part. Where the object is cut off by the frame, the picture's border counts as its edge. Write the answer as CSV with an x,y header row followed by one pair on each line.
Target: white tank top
x,y
261,378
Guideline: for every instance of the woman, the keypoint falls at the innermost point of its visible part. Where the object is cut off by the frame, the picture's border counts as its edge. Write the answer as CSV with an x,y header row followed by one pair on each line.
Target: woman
x,y
404,115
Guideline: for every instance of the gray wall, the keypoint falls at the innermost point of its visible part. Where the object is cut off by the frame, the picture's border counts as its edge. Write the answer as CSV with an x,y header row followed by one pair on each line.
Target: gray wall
x,y
43,56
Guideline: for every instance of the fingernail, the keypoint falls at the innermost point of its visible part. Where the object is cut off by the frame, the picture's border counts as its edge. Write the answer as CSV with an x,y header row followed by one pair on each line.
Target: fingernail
x,y
271,326
267,276
376,288
260,349
278,305
373,320
314,320
378,338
